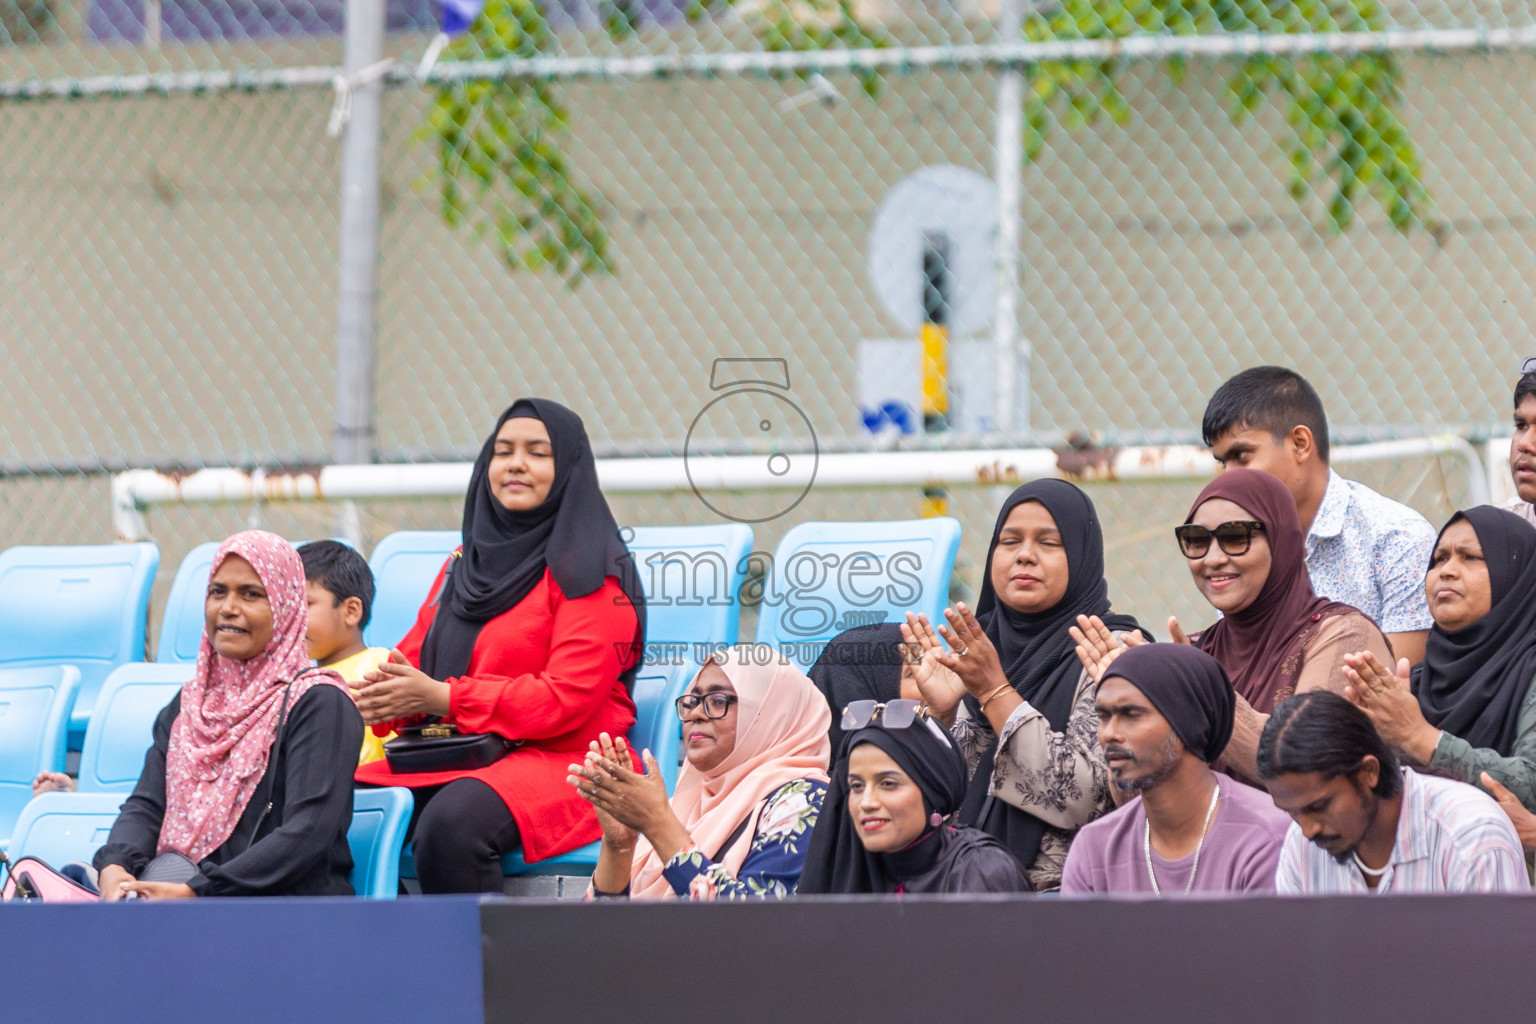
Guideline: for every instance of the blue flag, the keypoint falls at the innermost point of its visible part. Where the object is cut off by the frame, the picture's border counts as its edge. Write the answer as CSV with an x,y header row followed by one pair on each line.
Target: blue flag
x,y
458,15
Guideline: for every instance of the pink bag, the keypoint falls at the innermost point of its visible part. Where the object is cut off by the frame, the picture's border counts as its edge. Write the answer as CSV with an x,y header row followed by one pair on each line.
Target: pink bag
x,y
31,879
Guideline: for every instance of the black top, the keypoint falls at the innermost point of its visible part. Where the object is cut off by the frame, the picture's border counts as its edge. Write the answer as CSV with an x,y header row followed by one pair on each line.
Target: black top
x,y
944,859
302,846
956,859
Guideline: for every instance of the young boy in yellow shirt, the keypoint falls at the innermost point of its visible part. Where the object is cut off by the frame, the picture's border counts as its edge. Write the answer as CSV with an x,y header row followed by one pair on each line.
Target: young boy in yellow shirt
x,y
340,586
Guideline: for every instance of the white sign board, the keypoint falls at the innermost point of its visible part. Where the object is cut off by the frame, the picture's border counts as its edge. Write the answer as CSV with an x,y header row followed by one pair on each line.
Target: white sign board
x,y
951,201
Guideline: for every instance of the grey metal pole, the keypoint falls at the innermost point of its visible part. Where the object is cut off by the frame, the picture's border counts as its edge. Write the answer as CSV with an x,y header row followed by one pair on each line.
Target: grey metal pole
x,y
1012,408
357,313
359,250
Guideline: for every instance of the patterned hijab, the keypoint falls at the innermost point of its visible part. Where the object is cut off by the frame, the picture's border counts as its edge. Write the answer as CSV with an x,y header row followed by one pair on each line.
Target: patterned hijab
x,y
222,739
781,736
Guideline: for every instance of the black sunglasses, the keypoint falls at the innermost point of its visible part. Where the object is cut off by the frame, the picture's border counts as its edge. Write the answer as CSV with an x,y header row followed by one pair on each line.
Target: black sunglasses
x,y
715,704
1235,537
894,714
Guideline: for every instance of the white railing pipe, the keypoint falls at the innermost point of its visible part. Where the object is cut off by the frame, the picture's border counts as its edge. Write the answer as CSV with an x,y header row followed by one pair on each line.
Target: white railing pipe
x,y
136,491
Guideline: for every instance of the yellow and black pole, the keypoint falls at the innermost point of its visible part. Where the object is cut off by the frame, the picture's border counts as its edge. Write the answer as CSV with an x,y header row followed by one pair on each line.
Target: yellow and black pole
x,y
935,341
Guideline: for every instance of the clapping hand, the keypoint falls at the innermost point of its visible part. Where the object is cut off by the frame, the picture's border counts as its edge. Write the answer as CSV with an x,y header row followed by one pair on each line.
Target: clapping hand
x,y
1388,699
971,655
397,690
923,668
1097,647
627,802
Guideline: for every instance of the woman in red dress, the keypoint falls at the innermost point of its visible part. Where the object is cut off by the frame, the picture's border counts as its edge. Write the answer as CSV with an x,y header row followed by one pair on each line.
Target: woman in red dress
x,y
533,631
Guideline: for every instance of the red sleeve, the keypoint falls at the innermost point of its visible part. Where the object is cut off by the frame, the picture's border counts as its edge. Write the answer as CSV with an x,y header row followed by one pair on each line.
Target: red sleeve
x,y
591,643
411,645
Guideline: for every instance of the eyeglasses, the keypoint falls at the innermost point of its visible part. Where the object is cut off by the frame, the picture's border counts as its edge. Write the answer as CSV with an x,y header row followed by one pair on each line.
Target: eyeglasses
x,y
1235,537
1528,366
895,714
715,704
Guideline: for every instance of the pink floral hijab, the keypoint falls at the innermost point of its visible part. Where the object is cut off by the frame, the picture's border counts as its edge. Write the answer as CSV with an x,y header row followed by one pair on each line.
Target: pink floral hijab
x,y
222,739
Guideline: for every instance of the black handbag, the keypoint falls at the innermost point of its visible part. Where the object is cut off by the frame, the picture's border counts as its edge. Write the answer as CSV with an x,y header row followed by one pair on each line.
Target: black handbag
x,y
439,746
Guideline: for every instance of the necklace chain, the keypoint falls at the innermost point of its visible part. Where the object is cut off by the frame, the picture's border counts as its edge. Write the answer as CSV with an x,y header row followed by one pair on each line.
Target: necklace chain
x,y
1146,848
1373,872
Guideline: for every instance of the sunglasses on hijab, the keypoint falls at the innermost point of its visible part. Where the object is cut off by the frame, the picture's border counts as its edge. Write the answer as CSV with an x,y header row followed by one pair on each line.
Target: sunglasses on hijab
x,y
892,714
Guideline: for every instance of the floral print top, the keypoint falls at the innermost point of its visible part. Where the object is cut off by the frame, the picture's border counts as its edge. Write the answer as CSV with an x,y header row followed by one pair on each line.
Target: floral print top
x,y
1059,777
773,864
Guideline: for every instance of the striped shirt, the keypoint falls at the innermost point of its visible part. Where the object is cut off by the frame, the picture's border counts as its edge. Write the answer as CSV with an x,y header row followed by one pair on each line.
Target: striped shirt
x,y
1451,837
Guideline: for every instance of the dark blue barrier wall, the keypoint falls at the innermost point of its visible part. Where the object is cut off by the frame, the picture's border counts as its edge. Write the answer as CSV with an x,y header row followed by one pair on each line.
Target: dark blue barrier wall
x,y
1402,960
419,961
234,961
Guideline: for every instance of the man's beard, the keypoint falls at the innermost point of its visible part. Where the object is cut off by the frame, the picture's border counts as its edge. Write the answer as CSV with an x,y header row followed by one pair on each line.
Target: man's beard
x,y
1373,807
1165,763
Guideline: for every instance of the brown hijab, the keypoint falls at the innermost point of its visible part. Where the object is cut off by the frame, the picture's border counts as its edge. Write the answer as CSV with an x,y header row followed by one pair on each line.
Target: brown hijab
x,y
1263,646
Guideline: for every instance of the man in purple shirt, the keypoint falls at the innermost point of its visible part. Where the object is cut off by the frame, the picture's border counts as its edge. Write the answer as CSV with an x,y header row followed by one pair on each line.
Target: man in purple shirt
x,y
1165,713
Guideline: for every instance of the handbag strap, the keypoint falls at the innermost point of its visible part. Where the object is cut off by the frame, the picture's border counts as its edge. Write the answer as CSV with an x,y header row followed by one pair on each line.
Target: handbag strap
x,y
736,832
277,758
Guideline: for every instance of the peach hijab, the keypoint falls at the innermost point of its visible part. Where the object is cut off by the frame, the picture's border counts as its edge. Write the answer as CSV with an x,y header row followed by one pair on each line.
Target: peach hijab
x,y
781,736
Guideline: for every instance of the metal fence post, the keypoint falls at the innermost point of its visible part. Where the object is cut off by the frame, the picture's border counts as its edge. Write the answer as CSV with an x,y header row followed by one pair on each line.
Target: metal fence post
x,y
357,314
1012,409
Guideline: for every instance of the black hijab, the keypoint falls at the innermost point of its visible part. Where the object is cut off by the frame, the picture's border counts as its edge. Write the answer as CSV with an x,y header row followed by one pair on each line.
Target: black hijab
x,y
863,663
572,533
1039,657
835,860
1188,687
1473,682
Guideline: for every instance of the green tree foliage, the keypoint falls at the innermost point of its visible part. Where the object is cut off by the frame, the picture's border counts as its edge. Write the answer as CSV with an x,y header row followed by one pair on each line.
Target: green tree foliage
x,y
502,170
1343,134
501,167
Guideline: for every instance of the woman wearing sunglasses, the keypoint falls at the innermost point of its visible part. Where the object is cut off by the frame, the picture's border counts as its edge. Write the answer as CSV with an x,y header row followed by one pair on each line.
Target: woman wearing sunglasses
x,y
1276,638
884,826
755,742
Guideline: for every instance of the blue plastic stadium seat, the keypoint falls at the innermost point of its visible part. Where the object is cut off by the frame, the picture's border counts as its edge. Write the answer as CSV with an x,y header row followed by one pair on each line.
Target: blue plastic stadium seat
x,y
692,577
379,821
34,718
123,724
181,628
58,828
404,565
82,606
828,577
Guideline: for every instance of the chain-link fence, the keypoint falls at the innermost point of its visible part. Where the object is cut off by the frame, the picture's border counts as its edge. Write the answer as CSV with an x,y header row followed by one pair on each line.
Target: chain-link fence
x,y
602,230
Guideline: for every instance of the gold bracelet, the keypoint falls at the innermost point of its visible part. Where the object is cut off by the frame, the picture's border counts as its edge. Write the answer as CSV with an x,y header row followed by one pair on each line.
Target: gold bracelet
x,y
988,698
